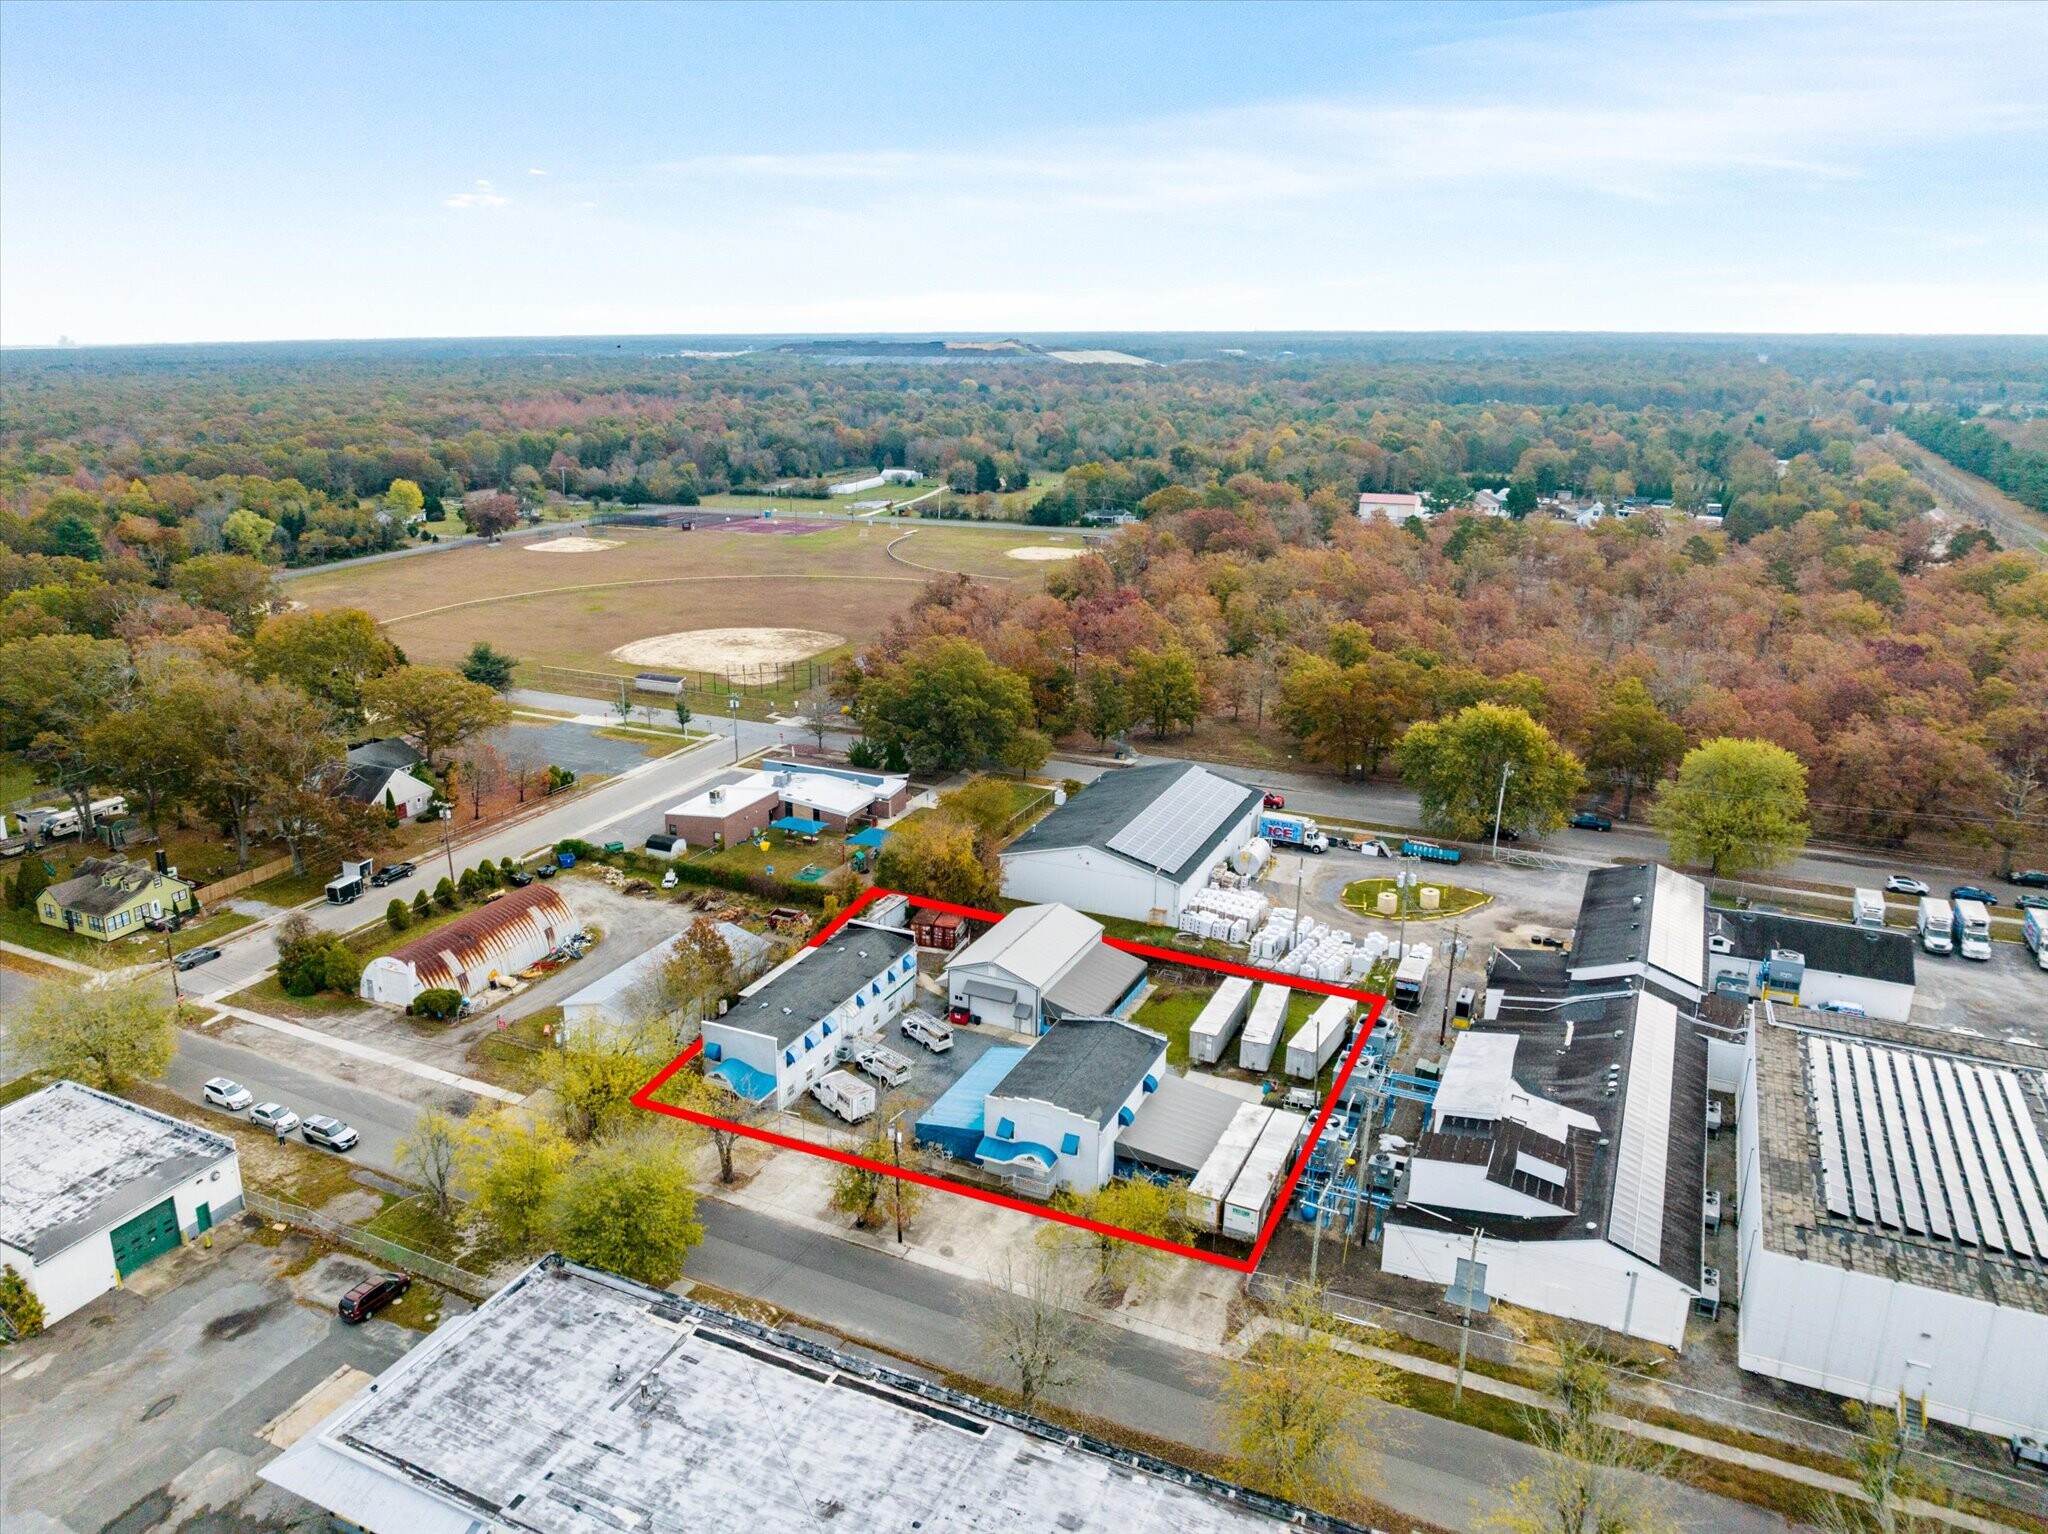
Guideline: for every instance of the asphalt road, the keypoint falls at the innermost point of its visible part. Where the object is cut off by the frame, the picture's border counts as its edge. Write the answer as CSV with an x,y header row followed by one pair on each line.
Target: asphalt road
x,y
381,1121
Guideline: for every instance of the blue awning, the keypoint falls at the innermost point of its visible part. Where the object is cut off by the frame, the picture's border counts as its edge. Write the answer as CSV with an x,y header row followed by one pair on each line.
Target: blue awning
x,y
1013,1150
742,1078
873,836
799,825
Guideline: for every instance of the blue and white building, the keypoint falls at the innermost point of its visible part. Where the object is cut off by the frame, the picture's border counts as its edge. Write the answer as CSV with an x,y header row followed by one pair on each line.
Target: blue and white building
x,y
1056,1115
794,1024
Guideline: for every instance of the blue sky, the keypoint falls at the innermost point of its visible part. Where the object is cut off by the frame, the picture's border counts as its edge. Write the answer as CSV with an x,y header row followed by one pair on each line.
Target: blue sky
x,y
173,173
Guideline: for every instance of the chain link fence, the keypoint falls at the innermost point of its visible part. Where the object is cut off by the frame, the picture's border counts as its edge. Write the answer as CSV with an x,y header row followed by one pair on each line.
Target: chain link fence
x,y
470,1285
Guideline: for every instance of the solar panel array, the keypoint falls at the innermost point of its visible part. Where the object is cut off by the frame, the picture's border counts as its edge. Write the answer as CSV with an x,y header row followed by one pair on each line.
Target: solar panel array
x,y
1678,926
1635,1218
1172,828
1928,1146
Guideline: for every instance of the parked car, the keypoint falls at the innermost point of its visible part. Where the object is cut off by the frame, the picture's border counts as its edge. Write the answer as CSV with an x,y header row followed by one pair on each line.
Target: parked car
x,y
192,958
391,873
2032,902
275,1116
1972,892
928,1031
2030,1450
331,1134
519,878
371,1296
2029,878
1275,800
1586,820
1505,833
223,1093
1899,884
1844,1008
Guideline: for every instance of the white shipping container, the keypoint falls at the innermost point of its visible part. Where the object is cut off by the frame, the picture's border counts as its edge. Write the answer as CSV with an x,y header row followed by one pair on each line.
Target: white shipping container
x,y
1255,1050
1218,1174
1317,1039
1219,1020
1251,1196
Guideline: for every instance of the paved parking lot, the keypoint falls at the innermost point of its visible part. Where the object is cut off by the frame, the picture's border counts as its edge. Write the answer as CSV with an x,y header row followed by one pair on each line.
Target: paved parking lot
x,y
142,1410
930,1076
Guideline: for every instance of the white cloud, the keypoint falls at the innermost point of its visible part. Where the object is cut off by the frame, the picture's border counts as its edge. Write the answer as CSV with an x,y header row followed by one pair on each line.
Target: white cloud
x,y
483,196
532,172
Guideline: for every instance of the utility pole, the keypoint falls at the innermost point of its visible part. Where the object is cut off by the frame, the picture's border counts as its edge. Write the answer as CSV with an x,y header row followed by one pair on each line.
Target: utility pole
x,y
447,846
177,993
1443,1027
1500,804
1465,1325
732,706
896,1148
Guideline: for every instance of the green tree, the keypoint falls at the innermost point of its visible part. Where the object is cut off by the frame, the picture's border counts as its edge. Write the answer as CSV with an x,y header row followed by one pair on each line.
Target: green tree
x,y
237,587
444,894
984,803
683,715
1736,806
101,1034
697,974
28,883
431,1154
420,906
1137,1204
488,666
627,1207
1455,767
945,705
511,1166
396,916
404,500
597,1070
1351,715
1632,740
438,709
1166,688
1298,1411
1888,1481
1105,701
328,654
248,534
1521,496
940,858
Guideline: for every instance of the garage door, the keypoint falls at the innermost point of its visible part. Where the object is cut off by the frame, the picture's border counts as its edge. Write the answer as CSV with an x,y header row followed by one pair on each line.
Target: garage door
x,y
149,1235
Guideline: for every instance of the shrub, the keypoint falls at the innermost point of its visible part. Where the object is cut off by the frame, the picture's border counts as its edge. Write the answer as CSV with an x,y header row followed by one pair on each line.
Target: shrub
x,y
421,906
444,895
341,968
439,1003
19,1304
396,916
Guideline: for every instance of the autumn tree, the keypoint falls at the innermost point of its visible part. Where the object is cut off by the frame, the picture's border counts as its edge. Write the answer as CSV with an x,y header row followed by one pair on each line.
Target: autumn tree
x,y
404,499
493,515
1166,688
1456,767
1350,715
511,1166
237,587
598,1068
1106,708
945,705
697,974
54,688
1736,806
1633,741
327,654
1594,1476
940,858
699,1094
1031,1328
1134,1204
438,709
431,1153
102,1033
628,1206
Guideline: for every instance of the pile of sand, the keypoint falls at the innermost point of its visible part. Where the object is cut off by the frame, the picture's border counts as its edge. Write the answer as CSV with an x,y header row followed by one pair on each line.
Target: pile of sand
x,y
1043,553
727,651
573,545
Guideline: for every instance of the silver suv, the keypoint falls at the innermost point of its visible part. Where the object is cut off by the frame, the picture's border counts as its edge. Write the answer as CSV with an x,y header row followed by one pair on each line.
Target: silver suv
x,y
274,1116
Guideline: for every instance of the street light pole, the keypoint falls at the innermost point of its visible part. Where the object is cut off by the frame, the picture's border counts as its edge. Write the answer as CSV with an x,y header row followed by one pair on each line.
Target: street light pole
x,y
1465,1327
447,846
896,1149
732,705
1500,804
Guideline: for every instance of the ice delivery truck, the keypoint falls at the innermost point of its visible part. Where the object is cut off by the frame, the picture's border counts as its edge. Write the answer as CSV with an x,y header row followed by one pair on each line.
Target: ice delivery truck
x,y
1293,831
2034,929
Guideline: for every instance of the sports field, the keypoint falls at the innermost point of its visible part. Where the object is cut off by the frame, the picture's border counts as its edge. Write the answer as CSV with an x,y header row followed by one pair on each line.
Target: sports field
x,y
574,609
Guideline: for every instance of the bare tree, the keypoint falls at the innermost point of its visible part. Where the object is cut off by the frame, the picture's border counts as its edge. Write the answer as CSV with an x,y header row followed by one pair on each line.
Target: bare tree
x,y
1032,1329
821,714
481,774
522,770
430,1154
1595,1476
1888,1483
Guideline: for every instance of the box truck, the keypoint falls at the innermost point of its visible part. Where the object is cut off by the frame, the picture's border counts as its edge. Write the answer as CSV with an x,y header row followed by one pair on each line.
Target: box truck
x,y
1869,908
2034,932
1412,977
1936,925
1972,929
1293,831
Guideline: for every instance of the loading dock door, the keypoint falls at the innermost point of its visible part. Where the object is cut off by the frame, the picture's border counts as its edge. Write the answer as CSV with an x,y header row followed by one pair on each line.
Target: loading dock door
x,y
146,1237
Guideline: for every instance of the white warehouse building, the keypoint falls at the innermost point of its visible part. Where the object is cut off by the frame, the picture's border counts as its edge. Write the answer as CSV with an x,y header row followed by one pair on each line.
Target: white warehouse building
x,y
1810,963
1134,843
93,1186
1893,1218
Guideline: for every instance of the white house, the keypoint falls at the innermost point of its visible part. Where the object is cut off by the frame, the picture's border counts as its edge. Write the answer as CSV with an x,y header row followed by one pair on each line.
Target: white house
x,y
793,1024
1038,964
1394,507
93,1186
1892,1207
394,788
618,1001
1056,1115
1134,843
1810,963
496,940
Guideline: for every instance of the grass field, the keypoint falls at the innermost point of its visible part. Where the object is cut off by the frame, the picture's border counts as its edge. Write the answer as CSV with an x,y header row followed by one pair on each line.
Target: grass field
x,y
1452,899
574,609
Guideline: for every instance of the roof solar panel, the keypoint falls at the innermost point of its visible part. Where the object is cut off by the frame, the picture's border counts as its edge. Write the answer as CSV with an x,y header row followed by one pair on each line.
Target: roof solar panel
x,y
1966,1136
1678,927
1635,1214
2014,1150
1896,1141
1861,1193
1868,1108
1954,1188
1991,1151
2030,1136
1923,1149
1173,827
1833,1184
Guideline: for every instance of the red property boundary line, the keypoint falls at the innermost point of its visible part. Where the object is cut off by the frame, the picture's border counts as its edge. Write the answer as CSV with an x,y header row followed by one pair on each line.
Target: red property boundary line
x,y
1374,1005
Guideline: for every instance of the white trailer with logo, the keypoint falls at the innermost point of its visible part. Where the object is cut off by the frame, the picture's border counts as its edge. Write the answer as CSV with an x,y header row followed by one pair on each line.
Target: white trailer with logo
x,y
2034,932
1318,1038
1219,1021
1262,1032
1265,1169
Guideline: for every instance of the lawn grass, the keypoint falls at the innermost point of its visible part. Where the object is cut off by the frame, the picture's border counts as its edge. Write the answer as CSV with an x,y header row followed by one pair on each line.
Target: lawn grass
x,y
24,928
418,1226
290,889
210,930
1452,900
17,779
21,1086
268,997
511,1056
1172,1011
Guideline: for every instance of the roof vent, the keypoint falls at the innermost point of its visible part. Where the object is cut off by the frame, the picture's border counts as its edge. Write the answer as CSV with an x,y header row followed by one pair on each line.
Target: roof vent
x,y
1636,901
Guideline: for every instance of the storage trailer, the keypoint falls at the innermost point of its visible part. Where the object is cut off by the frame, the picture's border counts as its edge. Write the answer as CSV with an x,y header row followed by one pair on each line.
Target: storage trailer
x,y
2034,932
1218,1174
1412,977
1265,1169
1262,1031
1319,1038
1219,1021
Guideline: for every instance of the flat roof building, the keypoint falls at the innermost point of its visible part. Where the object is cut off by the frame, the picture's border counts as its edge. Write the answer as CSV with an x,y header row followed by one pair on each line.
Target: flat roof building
x,y
1892,1211
93,1186
575,1402
1805,962
1134,843
1645,923
838,798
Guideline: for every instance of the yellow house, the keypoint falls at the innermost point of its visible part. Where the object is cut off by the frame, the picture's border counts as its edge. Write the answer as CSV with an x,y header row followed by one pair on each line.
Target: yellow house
x,y
112,897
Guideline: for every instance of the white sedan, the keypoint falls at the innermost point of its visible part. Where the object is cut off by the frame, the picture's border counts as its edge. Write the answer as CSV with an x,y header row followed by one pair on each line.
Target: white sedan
x,y
1899,884
274,1116
231,1095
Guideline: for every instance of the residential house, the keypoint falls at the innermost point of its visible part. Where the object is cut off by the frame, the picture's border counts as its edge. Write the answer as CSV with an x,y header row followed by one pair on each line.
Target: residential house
x,y
108,898
1393,507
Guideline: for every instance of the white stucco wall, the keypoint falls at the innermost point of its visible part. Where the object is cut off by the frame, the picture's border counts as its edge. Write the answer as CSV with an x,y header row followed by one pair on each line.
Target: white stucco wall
x,y
866,1014
1579,1280
389,982
1878,998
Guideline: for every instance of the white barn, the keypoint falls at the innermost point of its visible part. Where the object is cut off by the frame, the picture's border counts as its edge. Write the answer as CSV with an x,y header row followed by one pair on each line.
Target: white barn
x,y
1038,964
1134,843
1893,1218
93,1186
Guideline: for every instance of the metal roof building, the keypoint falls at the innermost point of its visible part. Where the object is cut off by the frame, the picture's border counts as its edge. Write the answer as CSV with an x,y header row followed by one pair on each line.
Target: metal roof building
x,y
1178,1127
1134,843
93,1186
1038,964
619,999
500,938
1806,962
574,1402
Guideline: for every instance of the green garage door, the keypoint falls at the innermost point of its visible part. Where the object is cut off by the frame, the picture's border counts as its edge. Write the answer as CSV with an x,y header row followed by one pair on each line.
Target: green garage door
x,y
149,1235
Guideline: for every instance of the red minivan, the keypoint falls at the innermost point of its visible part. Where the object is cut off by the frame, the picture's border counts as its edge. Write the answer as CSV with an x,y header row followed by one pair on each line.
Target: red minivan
x,y
371,1296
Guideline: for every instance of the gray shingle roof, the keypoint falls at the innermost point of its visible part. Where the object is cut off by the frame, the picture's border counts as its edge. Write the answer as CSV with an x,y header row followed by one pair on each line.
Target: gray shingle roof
x,y
1102,809
788,1003
1833,946
383,753
104,885
1087,1065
